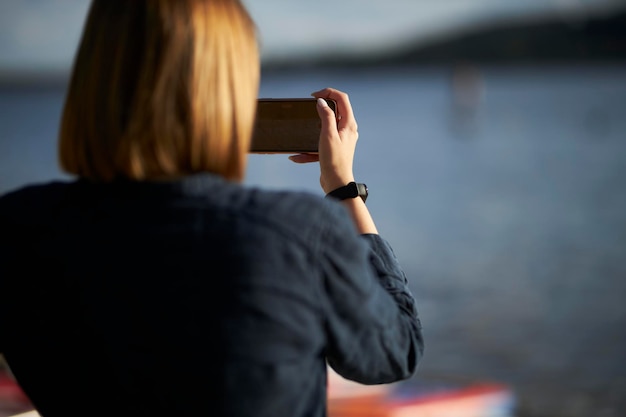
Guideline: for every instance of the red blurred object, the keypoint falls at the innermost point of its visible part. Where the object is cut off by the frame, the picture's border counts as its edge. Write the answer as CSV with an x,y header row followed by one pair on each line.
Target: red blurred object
x,y
425,397
12,399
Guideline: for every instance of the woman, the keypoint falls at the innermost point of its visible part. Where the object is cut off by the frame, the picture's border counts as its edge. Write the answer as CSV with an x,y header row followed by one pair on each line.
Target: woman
x,y
156,283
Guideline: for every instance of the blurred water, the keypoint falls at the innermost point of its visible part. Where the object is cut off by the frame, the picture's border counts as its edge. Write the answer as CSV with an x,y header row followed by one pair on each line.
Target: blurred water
x,y
506,207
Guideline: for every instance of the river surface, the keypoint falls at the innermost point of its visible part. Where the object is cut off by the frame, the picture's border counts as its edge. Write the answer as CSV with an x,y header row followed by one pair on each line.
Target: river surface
x,y
503,193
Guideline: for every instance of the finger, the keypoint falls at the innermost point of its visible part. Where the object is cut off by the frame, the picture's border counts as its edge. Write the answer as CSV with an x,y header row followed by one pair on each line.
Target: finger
x,y
327,117
345,115
303,158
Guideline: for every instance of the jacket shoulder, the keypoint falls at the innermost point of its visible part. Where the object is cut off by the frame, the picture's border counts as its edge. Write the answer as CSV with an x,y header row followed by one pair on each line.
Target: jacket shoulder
x,y
31,198
302,212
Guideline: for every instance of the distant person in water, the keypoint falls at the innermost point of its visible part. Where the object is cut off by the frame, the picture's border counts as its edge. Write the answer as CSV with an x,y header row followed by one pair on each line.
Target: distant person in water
x,y
467,90
155,282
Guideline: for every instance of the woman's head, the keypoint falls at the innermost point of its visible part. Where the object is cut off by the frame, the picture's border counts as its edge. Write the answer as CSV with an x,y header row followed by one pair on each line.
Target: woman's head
x,y
161,89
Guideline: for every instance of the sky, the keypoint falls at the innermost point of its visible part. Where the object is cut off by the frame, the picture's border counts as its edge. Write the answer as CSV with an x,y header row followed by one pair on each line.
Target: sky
x,y
42,35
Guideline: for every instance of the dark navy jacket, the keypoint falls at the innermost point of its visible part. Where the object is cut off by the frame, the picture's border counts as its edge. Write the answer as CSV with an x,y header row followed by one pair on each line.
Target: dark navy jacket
x,y
195,298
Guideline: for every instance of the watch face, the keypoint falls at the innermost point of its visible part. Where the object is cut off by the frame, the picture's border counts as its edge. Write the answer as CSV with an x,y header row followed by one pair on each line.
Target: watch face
x,y
362,191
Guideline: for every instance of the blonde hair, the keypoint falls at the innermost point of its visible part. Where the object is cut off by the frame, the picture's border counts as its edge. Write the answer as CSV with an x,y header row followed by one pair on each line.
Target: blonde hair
x,y
161,89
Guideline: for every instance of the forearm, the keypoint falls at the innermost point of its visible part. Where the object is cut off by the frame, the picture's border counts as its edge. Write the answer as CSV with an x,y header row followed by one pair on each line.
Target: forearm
x,y
360,215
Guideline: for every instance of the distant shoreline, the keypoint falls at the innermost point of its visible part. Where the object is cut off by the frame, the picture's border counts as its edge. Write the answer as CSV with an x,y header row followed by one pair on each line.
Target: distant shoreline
x,y
44,81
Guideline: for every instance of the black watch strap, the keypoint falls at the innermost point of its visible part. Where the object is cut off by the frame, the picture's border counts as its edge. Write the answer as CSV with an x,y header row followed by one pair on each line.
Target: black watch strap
x,y
352,190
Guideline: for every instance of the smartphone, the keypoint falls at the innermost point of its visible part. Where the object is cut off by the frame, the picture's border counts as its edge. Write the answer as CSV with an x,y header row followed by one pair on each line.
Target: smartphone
x,y
287,125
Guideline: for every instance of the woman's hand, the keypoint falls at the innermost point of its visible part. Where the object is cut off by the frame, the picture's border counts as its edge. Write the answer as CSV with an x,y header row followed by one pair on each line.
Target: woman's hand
x,y
336,153
338,139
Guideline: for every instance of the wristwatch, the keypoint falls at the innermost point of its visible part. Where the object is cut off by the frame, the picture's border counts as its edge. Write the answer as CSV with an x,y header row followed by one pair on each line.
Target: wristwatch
x,y
352,190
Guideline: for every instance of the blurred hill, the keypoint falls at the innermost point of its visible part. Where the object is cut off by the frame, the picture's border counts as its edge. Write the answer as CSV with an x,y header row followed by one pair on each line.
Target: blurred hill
x,y
554,40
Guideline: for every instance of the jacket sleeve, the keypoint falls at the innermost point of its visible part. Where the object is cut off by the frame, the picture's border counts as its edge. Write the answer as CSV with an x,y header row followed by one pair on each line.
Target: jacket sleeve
x,y
372,324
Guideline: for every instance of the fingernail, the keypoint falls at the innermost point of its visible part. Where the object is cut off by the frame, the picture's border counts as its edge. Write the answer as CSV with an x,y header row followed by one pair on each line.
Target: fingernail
x,y
321,102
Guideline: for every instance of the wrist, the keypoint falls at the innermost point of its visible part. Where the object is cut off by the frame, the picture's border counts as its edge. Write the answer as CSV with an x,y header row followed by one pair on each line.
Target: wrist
x,y
329,186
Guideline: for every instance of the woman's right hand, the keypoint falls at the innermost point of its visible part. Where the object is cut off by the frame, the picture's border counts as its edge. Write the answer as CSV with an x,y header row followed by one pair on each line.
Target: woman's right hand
x,y
337,145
